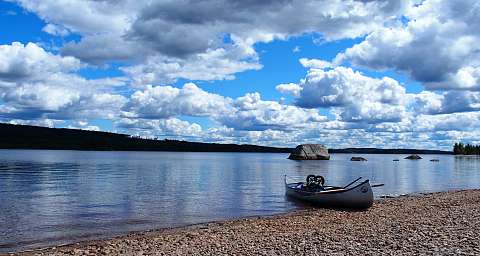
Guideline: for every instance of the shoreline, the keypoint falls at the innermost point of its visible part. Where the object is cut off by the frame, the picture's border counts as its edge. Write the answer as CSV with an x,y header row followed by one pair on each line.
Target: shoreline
x,y
445,222
331,151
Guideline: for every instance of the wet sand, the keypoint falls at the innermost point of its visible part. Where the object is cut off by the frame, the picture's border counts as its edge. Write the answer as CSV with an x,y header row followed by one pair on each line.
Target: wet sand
x,y
446,223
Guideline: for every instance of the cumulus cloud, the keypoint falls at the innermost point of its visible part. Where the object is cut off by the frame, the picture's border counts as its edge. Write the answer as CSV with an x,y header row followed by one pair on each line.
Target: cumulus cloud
x,y
84,17
55,30
218,64
100,48
448,122
37,84
356,97
444,103
60,101
193,27
206,34
250,112
167,101
19,61
414,131
436,46
315,63
427,102
171,127
427,124
380,110
269,137
290,88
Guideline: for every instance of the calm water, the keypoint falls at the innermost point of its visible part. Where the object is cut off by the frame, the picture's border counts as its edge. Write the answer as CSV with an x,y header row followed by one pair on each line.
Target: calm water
x,y
53,197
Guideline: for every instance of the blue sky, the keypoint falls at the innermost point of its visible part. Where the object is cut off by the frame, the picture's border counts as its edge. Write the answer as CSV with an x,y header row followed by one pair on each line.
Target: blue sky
x,y
343,73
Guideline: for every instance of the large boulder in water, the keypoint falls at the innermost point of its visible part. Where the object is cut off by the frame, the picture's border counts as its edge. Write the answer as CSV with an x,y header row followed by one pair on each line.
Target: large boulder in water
x,y
413,157
310,152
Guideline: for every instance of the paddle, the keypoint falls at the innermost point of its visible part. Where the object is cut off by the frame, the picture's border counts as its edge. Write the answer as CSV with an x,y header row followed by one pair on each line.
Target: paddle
x,y
377,185
352,182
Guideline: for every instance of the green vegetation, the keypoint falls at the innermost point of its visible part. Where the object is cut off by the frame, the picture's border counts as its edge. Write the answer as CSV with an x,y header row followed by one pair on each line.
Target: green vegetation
x,y
462,149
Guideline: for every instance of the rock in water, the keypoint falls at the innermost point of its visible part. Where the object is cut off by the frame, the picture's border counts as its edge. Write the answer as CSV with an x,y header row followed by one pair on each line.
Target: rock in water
x,y
358,158
310,152
413,157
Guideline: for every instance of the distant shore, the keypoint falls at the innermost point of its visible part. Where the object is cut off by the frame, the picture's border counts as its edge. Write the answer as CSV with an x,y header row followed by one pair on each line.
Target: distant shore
x,y
35,137
436,223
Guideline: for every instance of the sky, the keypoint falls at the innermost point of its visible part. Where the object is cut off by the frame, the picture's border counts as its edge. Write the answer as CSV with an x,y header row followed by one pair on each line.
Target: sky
x,y
386,74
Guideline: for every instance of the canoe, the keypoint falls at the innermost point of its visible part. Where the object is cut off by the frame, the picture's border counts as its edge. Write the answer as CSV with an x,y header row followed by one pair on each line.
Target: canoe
x,y
358,196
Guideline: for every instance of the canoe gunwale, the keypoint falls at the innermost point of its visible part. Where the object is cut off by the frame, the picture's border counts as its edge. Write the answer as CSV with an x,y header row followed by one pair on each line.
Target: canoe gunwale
x,y
333,191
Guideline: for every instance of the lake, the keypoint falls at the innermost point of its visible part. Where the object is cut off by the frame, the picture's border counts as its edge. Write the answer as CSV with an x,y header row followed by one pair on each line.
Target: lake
x,y
53,197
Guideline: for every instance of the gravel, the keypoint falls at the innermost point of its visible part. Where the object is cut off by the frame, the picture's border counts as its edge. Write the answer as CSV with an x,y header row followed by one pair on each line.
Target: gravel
x,y
445,223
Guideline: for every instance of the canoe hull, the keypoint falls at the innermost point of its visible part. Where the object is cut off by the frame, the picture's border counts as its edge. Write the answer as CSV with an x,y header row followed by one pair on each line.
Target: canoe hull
x,y
359,196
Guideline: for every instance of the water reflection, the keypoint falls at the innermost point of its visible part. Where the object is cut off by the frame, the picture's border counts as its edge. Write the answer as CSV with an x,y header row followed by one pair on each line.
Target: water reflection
x,y
50,197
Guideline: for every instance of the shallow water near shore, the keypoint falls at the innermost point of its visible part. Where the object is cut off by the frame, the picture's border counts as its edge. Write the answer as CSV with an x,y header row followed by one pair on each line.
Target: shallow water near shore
x,y
53,197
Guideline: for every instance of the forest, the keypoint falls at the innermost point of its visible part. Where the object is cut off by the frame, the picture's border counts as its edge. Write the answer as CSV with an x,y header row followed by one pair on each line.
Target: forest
x,y
34,137
462,149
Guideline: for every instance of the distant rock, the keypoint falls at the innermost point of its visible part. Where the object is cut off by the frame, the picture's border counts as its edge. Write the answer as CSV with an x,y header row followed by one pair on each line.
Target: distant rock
x,y
434,160
413,157
358,158
310,152
396,160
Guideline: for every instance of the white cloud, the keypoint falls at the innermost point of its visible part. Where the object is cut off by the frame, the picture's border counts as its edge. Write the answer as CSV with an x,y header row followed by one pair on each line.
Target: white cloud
x,y
290,88
85,17
244,113
171,127
436,47
427,102
199,40
166,101
55,30
315,63
193,27
426,125
40,96
99,48
218,64
469,121
252,113
37,84
19,61
59,101
357,98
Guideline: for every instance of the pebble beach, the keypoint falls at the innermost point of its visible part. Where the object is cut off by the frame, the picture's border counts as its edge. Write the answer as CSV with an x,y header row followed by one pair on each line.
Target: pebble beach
x,y
445,223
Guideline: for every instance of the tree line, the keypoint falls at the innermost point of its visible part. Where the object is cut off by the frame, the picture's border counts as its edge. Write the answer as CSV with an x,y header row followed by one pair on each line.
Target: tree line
x,y
462,149
34,137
